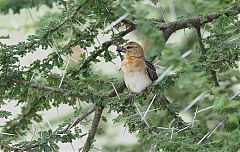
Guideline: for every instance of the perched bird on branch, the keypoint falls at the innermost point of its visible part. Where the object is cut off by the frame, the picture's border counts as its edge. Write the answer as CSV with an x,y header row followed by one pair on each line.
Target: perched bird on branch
x,y
138,72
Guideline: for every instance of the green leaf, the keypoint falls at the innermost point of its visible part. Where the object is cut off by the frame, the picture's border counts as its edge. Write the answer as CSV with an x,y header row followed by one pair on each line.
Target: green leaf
x,y
5,114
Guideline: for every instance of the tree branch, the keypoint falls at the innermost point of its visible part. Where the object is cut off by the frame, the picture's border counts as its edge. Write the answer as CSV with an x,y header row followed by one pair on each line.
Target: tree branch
x,y
201,45
105,47
204,51
62,92
56,132
32,109
54,29
172,27
214,77
167,28
19,120
78,120
92,131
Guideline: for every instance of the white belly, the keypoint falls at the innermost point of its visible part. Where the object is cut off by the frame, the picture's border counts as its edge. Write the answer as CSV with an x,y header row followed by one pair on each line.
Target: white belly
x,y
136,81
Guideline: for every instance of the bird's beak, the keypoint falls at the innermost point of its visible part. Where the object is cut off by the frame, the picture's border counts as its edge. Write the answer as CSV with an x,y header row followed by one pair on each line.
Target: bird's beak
x,y
121,49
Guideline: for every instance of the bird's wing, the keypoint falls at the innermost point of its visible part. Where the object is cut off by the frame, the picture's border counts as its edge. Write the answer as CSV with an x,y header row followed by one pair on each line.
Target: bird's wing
x,y
151,71
163,100
153,76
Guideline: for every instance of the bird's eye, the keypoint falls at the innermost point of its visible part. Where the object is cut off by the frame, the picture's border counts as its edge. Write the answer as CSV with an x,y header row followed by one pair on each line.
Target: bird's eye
x,y
129,47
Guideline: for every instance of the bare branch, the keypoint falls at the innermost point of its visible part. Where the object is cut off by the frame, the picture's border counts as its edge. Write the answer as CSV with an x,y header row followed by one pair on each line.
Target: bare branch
x,y
92,131
77,120
201,45
214,77
172,27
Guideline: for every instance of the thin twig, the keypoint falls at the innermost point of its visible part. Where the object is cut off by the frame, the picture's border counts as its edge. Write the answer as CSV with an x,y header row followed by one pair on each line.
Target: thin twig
x,y
72,147
78,120
162,13
33,132
203,50
54,29
49,125
51,89
105,47
186,54
165,128
120,88
57,110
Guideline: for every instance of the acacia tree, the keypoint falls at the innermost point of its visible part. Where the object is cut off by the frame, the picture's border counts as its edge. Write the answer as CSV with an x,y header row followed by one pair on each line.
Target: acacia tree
x,y
204,79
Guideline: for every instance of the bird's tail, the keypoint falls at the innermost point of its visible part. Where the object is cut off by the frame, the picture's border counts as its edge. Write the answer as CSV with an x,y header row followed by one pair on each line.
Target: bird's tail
x,y
163,100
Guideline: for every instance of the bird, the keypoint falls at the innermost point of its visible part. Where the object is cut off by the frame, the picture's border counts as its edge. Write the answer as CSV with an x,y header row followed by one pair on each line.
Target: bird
x,y
138,72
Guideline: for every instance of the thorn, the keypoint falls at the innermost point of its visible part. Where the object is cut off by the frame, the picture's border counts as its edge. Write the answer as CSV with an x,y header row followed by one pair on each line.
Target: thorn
x,y
195,114
235,95
115,22
185,54
64,73
202,110
215,128
166,72
4,133
115,90
182,129
196,100
172,132
203,138
149,107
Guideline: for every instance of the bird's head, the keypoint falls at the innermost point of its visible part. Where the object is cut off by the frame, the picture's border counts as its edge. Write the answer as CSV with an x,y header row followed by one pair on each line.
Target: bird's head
x,y
131,49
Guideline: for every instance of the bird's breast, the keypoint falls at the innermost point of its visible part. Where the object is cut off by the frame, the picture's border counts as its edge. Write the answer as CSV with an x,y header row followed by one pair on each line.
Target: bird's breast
x,y
135,75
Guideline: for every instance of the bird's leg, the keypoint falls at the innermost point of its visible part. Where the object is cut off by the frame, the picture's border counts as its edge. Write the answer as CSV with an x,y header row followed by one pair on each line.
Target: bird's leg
x,y
131,96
